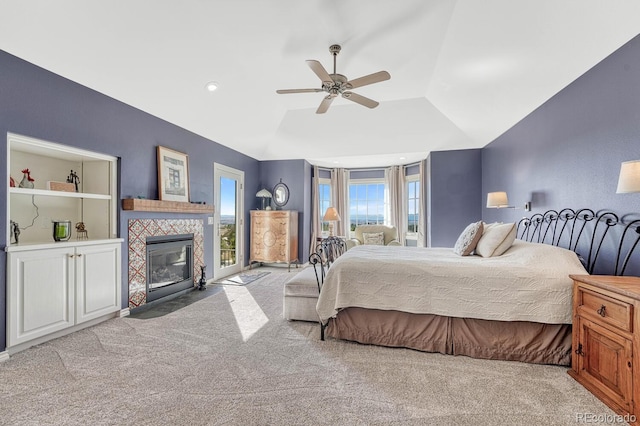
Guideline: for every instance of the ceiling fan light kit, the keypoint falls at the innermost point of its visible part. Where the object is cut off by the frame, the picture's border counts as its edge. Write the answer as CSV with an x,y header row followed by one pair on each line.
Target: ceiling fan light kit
x,y
337,84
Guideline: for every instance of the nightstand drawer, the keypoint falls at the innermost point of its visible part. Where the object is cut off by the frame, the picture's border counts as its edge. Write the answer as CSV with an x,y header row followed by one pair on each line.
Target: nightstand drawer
x,y
608,310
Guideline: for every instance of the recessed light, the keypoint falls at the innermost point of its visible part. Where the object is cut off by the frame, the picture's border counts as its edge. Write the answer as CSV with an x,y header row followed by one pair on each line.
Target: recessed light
x,y
212,86
403,158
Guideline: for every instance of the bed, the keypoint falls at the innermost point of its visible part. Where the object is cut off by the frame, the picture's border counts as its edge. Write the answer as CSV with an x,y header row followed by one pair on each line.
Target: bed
x,y
516,306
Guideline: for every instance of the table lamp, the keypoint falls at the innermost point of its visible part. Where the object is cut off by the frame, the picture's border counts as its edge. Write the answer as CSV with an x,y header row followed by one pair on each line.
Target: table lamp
x,y
629,179
331,215
265,195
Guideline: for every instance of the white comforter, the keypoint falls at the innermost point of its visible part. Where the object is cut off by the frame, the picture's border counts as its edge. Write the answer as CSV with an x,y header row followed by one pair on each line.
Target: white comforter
x,y
529,282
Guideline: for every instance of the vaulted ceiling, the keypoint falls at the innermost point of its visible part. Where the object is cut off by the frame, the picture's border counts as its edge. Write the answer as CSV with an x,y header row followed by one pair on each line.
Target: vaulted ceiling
x,y
462,72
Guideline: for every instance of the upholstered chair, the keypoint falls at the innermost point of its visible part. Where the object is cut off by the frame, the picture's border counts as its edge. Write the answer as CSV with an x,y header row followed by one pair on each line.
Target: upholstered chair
x,y
390,235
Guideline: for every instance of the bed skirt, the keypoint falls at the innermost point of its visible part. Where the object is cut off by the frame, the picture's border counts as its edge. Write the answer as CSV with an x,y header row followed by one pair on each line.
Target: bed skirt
x,y
513,341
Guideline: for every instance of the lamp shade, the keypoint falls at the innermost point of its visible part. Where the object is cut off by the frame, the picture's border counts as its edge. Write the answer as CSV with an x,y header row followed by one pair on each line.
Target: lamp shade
x,y
496,200
629,180
331,214
263,193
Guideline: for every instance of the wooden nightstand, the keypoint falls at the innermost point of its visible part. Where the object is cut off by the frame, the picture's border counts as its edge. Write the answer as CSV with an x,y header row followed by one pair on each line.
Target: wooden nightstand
x,y
606,336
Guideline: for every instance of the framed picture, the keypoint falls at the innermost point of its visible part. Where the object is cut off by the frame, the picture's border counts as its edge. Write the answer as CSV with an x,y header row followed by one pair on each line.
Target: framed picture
x,y
173,175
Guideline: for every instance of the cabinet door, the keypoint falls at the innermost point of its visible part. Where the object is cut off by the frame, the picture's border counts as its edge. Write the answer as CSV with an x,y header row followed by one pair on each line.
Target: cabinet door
x,y
40,293
98,281
606,362
258,227
281,229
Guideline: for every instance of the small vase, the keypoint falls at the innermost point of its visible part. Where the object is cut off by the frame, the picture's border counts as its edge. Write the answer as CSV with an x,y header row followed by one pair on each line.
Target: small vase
x,y
25,183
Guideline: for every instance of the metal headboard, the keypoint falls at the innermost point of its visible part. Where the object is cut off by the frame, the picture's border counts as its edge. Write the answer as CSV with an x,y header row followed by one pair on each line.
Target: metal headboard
x,y
327,251
567,227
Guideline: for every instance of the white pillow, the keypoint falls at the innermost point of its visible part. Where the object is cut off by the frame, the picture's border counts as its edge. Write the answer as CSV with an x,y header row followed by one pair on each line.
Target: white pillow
x,y
468,240
496,239
373,238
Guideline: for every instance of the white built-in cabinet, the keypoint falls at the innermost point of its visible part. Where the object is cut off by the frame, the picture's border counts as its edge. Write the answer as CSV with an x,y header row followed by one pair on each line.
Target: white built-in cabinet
x,y
51,289
57,287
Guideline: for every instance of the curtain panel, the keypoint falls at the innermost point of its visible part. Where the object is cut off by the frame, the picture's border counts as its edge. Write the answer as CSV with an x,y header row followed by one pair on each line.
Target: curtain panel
x,y
340,199
395,202
422,214
316,227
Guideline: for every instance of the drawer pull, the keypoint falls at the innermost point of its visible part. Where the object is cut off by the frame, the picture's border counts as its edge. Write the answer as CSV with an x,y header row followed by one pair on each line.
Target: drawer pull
x,y
602,311
579,350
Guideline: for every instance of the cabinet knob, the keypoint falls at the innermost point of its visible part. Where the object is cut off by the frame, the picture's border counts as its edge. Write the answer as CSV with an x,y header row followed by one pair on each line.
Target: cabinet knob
x,y
579,350
71,256
602,311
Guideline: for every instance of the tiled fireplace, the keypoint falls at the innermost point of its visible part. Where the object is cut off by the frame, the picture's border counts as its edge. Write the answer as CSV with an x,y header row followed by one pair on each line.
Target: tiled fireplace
x,y
139,230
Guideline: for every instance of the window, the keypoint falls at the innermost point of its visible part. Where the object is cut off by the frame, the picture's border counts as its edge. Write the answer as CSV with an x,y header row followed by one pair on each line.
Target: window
x,y
366,203
413,207
413,204
324,202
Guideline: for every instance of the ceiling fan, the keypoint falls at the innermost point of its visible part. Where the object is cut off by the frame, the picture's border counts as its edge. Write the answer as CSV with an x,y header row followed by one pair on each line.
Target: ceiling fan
x,y
337,84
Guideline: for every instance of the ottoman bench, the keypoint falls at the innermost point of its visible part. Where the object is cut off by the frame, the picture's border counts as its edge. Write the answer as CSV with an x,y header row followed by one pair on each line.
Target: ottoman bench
x,y
301,296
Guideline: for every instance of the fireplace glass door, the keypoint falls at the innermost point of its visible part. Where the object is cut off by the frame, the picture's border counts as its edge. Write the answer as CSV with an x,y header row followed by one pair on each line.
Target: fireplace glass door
x,y
169,266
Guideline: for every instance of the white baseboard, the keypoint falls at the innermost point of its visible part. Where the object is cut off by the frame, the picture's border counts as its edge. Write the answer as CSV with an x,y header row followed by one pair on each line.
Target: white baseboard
x,y
4,356
124,313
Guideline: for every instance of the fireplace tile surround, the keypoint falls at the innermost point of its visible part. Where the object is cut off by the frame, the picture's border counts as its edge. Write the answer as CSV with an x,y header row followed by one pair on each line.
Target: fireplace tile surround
x,y
139,230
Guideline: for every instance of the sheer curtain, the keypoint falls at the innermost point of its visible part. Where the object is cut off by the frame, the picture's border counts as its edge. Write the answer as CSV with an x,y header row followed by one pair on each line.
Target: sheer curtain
x,y
316,229
396,206
422,214
340,200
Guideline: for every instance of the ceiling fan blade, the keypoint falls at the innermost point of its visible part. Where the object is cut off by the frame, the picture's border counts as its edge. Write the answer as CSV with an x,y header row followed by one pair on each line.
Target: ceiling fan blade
x,y
325,104
369,103
317,68
287,91
369,79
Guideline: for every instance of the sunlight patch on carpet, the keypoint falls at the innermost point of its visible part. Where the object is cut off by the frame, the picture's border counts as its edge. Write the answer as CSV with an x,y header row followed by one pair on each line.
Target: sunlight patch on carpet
x,y
248,314
242,279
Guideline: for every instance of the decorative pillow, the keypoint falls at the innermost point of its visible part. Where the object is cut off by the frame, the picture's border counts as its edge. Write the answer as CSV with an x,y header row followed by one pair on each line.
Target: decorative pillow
x,y
373,238
497,239
468,240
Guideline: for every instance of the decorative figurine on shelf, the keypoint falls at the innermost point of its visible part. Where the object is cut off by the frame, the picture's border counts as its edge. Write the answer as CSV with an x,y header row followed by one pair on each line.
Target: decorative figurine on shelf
x,y
12,183
202,284
27,180
15,230
81,231
74,179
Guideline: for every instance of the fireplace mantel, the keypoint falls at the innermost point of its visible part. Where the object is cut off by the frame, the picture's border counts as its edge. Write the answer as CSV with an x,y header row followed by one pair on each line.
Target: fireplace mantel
x,y
144,205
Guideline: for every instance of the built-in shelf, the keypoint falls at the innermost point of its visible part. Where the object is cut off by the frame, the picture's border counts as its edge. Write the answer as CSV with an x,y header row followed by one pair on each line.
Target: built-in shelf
x,y
95,203
143,205
51,193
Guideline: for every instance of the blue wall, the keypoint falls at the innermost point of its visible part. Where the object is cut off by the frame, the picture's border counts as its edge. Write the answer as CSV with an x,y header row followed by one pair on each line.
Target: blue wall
x,y
454,184
567,153
37,103
296,174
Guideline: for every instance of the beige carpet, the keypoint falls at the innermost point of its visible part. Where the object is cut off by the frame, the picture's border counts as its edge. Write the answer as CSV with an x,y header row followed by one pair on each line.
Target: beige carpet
x,y
230,359
243,278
